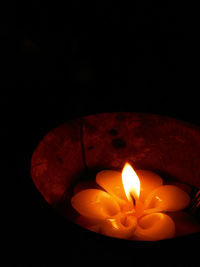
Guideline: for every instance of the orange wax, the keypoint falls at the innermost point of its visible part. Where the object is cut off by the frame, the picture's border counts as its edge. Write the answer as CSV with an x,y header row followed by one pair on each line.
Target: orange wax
x,y
131,205
154,227
120,226
95,204
167,198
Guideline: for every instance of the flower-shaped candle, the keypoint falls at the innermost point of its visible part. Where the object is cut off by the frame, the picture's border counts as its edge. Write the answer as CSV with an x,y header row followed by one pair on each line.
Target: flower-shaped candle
x,y
131,205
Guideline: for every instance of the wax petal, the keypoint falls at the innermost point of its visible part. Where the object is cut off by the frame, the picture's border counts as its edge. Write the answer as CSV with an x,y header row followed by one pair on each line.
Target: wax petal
x,y
94,203
119,226
111,181
167,198
148,182
155,226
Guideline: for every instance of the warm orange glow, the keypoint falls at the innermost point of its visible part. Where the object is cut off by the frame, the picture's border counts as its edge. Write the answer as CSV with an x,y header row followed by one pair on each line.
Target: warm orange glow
x,y
130,182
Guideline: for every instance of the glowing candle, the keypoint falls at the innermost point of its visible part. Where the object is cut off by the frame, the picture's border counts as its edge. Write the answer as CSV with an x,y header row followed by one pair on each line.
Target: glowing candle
x,y
131,206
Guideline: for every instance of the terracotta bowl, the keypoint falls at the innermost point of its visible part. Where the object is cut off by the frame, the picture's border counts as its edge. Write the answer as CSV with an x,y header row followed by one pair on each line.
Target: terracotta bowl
x,y
76,150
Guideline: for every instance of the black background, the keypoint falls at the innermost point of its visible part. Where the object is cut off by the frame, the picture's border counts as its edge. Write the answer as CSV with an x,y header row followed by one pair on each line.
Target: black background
x,y
72,59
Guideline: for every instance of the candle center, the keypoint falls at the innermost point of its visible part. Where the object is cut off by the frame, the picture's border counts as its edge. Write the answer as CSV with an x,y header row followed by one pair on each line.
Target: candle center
x,y
135,208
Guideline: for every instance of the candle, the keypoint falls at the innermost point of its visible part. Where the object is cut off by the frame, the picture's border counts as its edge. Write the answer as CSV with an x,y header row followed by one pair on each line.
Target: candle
x,y
131,205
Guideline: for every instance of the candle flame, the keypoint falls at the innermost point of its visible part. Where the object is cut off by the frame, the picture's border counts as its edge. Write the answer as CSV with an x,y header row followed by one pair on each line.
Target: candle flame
x,y
130,182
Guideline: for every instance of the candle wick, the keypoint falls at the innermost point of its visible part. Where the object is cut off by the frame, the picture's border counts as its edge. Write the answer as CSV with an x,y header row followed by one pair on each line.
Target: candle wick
x,y
133,199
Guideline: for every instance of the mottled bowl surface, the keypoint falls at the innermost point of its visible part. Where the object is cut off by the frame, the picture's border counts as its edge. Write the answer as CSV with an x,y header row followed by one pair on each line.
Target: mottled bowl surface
x,y
105,141
75,151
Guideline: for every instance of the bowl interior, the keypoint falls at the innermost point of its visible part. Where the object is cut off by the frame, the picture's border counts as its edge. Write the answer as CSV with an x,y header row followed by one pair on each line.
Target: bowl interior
x,y
78,149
